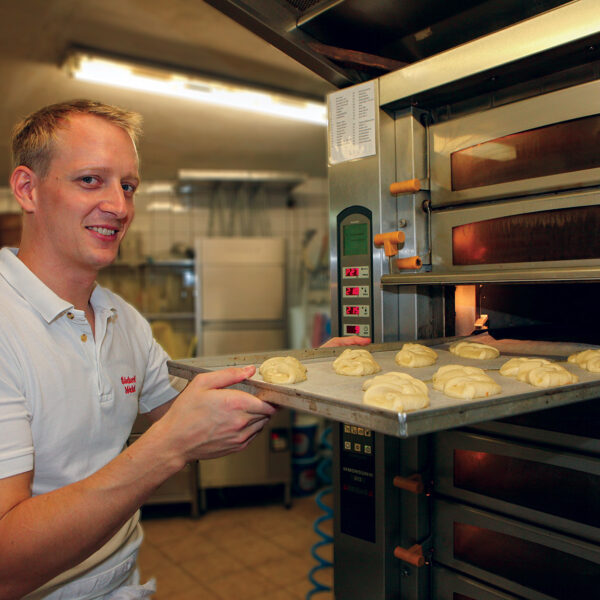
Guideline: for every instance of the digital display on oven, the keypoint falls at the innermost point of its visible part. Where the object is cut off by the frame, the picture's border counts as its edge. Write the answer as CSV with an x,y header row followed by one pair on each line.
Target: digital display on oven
x,y
356,239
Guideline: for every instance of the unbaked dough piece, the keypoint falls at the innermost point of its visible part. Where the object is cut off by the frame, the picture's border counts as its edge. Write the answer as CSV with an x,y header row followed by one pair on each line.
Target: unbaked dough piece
x,y
551,375
519,367
465,383
355,362
538,372
587,359
416,355
474,350
396,391
282,369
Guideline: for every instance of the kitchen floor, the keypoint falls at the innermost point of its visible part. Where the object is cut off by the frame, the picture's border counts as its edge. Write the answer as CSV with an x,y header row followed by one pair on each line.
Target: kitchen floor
x,y
243,548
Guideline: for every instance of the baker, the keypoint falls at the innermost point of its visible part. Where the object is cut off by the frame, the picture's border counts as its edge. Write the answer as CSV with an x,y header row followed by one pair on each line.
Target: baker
x,y
77,364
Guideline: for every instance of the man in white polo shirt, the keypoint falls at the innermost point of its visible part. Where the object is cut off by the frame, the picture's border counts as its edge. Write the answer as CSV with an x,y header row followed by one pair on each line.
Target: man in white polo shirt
x,y
76,365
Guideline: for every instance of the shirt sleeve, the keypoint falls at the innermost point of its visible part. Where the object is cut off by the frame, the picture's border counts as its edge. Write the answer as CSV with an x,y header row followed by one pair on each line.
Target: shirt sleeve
x,y
159,387
16,440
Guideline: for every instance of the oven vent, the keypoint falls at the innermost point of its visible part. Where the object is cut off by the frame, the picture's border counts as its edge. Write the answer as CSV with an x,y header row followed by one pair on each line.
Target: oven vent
x,y
304,5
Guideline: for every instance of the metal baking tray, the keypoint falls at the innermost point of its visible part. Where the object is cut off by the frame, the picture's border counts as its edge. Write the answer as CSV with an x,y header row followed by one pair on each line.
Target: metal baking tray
x,y
339,397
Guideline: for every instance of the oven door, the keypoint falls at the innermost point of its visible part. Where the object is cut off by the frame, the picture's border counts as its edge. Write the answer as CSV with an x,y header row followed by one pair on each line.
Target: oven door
x,y
449,585
515,556
560,490
541,144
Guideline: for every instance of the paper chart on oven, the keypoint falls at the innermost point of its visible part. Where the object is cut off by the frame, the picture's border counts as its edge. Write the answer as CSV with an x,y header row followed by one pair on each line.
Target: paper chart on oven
x,y
323,382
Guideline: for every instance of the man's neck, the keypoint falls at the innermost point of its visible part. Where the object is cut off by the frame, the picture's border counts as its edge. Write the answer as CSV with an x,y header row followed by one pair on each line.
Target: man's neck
x,y
74,286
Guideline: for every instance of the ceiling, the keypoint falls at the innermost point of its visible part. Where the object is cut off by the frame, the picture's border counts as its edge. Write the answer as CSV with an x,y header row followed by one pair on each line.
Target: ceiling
x,y
185,34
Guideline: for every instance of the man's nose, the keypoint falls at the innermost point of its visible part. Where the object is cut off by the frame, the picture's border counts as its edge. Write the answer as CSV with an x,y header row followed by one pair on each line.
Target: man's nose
x,y
114,201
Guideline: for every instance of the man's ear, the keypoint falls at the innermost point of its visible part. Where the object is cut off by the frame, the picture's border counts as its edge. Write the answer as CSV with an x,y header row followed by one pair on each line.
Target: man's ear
x,y
23,182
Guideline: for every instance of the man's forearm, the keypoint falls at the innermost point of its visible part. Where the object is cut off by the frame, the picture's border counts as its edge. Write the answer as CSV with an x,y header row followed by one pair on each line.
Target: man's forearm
x,y
48,534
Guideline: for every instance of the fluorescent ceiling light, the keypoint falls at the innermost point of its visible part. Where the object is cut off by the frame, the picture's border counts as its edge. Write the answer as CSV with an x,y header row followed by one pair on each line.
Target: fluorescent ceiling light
x,y
97,69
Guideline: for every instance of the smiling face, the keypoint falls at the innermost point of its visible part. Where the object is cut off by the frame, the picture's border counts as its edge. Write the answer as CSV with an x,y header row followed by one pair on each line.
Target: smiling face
x,y
83,206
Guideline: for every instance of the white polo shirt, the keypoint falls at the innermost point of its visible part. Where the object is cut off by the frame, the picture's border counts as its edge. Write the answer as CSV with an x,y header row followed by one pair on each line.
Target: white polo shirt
x,y
68,401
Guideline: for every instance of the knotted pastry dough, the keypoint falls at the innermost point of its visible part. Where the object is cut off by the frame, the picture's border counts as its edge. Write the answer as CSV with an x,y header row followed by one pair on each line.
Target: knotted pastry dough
x,y
282,369
588,360
474,350
538,372
355,362
416,355
465,383
396,391
550,376
519,368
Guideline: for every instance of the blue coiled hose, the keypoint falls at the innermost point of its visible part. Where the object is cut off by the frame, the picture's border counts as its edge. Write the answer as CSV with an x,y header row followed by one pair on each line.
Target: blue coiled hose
x,y
324,474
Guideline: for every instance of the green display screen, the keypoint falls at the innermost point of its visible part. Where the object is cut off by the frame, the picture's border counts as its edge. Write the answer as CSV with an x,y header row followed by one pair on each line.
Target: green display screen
x,y
356,239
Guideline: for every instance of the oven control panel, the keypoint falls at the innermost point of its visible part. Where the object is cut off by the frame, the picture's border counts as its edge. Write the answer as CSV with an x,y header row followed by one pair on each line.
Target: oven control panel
x,y
355,272
357,482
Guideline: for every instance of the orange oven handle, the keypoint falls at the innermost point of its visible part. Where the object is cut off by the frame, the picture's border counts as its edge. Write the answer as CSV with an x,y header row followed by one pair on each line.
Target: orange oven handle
x,y
410,186
413,484
413,556
411,262
389,241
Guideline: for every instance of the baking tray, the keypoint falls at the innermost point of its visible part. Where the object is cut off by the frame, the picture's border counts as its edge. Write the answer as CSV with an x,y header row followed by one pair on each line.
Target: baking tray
x,y
339,397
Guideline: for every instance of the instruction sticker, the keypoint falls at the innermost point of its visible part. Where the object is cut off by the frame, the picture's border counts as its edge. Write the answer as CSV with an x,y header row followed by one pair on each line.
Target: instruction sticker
x,y
352,123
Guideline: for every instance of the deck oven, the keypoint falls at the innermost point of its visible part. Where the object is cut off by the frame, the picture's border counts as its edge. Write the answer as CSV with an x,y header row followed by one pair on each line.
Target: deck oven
x,y
480,204
465,203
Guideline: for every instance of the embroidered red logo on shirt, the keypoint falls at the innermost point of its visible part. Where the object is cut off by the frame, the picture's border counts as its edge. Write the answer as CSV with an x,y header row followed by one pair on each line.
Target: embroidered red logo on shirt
x,y
129,384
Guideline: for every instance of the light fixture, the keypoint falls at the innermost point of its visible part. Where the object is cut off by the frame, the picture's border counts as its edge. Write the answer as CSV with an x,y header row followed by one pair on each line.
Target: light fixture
x,y
94,68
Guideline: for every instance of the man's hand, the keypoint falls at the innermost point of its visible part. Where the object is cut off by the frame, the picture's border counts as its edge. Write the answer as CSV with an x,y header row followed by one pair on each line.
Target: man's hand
x,y
349,340
207,421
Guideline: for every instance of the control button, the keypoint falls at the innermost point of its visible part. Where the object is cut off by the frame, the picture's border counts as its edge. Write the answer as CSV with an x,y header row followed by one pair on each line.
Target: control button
x,y
357,447
361,431
347,446
367,433
354,430
367,449
346,428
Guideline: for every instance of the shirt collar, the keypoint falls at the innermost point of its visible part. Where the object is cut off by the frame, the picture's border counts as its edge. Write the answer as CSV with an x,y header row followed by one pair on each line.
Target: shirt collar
x,y
38,294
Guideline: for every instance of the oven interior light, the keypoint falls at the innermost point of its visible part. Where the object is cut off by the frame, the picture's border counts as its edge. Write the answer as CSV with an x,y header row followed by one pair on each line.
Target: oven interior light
x,y
98,69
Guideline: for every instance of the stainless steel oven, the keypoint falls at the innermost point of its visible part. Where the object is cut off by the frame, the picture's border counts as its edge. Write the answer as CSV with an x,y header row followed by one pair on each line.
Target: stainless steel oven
x,y
489,201
465,200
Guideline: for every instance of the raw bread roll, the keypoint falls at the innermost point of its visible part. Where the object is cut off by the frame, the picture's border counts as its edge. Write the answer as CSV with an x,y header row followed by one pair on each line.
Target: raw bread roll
x,y
474,350
519,368
465,383
416,355
588,359
355,362
396,391
537,371
282,369
550,376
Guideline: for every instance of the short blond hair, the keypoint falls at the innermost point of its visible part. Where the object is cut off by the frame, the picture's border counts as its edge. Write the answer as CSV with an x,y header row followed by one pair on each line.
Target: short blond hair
x,y
32,137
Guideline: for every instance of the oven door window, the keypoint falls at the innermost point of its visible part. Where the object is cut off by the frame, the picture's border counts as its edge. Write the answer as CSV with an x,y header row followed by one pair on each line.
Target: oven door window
x,y
558,148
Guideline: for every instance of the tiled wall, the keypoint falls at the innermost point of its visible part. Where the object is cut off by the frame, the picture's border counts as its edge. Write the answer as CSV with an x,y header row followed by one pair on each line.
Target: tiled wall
x,y
168,222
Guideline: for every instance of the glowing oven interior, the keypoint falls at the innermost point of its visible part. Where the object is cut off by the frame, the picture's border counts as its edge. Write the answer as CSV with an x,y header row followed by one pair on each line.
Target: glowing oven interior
x,y
559,491
533,565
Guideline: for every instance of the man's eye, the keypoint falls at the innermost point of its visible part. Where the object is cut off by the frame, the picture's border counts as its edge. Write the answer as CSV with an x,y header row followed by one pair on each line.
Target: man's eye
x,y
127,187
89,179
